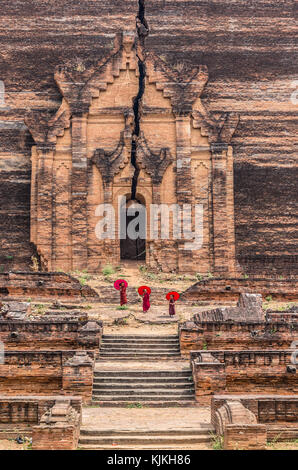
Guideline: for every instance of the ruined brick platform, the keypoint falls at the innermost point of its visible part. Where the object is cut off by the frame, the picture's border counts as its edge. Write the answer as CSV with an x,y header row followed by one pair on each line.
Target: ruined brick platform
x,y
229,289
234,372
50,334
249,421
44,286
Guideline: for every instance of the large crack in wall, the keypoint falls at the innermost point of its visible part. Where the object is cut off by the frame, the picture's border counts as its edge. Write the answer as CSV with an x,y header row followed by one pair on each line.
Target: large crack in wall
x,y
143,31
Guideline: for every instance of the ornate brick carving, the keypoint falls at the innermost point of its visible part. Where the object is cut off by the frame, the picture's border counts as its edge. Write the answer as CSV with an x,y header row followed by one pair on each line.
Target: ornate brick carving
x,y
80,86
46,128
182,91
155,163
218,128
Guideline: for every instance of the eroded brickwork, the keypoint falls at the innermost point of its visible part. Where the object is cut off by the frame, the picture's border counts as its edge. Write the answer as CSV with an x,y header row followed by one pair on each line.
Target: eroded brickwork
x,y
275,416
47,372
239,371
50,334
44,286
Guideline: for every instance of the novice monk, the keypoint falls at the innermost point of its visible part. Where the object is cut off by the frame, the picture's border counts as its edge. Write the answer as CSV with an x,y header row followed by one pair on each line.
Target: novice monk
x,y
123,297
172,306
146,301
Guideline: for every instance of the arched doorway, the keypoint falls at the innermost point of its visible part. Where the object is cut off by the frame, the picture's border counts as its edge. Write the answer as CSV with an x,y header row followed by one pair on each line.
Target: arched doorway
x,y
133,246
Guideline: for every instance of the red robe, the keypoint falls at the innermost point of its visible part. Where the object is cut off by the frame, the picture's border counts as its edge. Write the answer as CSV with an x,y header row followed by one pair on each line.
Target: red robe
x,y
146,302
172,307
123,298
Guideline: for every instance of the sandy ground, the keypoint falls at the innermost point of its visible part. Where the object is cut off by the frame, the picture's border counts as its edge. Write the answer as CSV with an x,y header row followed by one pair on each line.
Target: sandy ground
x,y
133,318
293,445
136,274
145,418
7,444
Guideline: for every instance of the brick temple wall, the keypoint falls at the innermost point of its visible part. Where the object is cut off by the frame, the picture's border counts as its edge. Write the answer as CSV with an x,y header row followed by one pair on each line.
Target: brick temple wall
x,y
47,373
248,48
237,336
23,412
33,42
50,335
44,286
279,413
228,290
234,372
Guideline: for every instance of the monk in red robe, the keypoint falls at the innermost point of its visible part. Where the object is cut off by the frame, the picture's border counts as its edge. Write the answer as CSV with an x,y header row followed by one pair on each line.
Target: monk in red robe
x,y
146,301
172,310
123,297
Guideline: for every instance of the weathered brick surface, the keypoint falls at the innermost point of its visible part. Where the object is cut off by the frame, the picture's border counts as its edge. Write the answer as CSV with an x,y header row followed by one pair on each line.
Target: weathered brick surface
x,y
23,412
50,334
36,41
246,326
278,413
242,171
245,437
44,286
236,335
59,428
47,372
220,289
243,43
234,372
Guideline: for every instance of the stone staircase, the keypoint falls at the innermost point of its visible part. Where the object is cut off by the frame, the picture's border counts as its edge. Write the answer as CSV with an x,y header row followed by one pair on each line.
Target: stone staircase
x,y
139,347
135,384
153,375
138,388
147,439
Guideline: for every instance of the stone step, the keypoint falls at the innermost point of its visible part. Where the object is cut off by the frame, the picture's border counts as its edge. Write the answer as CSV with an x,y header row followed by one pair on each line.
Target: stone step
x,y
132,381
143,373
141,337
139,355
139,358
197,446
141,440
202,429
140,341
135,345
130,397
145,403
140,392
105,386
133,350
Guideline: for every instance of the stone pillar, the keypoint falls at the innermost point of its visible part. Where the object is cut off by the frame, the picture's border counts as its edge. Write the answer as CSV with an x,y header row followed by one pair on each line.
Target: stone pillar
x,y
183,181
59,428
77,376
209,375
45,208
245,437
34,195
89,335
79,192
219,208
190,337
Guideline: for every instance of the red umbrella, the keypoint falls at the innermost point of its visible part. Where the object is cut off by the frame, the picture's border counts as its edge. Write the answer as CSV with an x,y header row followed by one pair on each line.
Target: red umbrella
x,y
141,290
174,293
118,282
